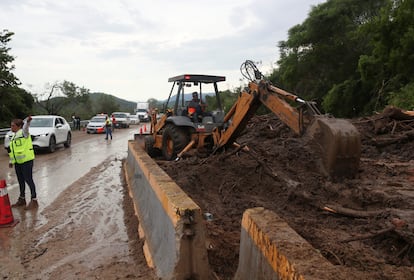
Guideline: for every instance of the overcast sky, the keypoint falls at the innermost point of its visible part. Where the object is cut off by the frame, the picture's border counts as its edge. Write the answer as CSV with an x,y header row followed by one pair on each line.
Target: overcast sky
x,y
129,48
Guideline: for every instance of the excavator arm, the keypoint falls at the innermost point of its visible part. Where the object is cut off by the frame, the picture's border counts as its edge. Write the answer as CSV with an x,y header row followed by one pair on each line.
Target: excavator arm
x,y
337,140
249,101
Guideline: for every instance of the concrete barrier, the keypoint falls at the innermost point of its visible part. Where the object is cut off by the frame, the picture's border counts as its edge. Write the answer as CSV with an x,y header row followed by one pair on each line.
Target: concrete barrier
x,y
170,222
270,249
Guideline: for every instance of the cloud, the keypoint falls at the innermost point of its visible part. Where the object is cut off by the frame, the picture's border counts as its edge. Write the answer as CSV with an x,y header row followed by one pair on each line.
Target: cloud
x,y
129,48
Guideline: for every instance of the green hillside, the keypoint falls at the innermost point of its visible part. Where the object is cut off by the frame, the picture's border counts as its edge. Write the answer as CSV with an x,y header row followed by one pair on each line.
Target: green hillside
x,y
123,105
95,103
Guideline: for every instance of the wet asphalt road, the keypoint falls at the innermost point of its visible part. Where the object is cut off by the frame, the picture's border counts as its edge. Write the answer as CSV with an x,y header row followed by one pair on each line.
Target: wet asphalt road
x,y
80,218
54,172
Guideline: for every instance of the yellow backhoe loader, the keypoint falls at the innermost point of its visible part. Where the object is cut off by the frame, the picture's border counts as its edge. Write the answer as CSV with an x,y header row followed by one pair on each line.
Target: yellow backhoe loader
x,y
177,132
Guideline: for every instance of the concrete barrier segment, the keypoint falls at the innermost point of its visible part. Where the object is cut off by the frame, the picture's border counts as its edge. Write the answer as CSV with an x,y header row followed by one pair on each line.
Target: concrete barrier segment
x,y
172,224
270,249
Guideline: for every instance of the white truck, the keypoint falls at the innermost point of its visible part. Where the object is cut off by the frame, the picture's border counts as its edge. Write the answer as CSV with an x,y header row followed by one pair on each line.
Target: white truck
x,y
142,111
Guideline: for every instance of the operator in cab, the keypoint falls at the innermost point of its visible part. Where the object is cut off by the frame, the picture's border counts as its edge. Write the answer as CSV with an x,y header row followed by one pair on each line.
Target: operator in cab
x,y
194,108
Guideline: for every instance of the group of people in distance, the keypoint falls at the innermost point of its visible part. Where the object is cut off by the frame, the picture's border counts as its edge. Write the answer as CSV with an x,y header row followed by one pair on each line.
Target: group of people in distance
x,y
76,122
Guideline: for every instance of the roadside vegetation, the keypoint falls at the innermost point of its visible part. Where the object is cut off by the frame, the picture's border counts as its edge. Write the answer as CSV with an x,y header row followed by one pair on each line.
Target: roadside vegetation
x,y
352,57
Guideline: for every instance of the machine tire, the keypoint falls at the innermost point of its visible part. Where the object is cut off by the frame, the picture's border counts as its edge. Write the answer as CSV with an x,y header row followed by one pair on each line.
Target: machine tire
x,y
52,144
149,147
174,139
68,140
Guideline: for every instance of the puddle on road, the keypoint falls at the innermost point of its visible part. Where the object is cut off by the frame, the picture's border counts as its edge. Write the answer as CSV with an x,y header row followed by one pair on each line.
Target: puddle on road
x,y
95,200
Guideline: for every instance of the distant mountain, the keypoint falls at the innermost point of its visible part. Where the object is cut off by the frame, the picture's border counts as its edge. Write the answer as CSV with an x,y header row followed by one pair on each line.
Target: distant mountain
x,y
124,105
99,102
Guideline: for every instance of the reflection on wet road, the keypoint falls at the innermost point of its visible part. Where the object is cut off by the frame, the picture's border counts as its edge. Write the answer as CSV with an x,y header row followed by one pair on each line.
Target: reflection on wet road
x,y
55,172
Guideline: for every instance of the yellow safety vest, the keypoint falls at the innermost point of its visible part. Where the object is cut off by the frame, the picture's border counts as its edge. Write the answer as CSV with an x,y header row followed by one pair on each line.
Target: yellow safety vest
x,y
21,148
108,123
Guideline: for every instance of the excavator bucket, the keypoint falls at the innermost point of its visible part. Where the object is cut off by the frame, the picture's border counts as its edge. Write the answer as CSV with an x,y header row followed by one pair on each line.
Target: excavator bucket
x,y
339,143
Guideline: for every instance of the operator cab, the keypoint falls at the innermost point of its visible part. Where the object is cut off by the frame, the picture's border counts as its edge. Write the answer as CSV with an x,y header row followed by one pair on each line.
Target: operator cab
x,y
190,100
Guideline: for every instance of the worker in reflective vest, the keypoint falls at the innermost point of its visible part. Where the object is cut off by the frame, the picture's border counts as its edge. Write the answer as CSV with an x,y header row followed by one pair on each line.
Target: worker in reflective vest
x,y
21,155
108,127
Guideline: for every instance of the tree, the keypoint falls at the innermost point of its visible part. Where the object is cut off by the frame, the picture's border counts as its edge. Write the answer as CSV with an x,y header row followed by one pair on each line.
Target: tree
x,y
155,104
59,95
320,59
7,78
14,101
389,68
107,104
227,99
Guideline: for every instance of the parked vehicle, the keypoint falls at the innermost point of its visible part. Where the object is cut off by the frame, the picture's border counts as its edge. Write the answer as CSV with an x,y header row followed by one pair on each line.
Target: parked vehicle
x,y
96,124
122,119
134,119
47,131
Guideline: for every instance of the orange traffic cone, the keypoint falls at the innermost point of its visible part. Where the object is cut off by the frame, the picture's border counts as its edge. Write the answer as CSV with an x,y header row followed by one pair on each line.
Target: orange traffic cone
x,y
145,128
140,130
6,214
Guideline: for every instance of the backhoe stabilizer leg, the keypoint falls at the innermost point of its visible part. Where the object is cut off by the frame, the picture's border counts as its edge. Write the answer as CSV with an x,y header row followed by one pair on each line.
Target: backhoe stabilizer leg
x,y
340,145
186,149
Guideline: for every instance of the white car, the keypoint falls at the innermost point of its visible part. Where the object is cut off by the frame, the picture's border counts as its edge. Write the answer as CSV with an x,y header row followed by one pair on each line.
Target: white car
x,y
134,119
96,124
47,131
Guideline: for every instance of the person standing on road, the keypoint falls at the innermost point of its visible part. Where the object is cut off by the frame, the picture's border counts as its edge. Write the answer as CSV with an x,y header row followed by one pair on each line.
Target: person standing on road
x,y
78,123
108,127
22,156
74,121
113,122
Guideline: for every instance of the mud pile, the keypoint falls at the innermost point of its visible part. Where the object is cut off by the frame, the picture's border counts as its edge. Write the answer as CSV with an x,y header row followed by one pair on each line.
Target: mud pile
x,y
364,224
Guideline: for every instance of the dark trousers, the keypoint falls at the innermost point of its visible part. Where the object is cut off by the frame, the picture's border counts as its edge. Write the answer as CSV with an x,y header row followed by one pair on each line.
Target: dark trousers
x,y
108,132
24,172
